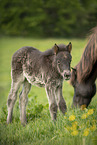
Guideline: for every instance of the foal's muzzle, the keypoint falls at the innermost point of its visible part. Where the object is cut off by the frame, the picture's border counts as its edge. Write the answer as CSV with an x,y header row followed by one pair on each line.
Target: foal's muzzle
x,y
67,75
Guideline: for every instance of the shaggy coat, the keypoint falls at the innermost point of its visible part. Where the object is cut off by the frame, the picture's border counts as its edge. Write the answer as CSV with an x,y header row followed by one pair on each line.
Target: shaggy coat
x,y
44,69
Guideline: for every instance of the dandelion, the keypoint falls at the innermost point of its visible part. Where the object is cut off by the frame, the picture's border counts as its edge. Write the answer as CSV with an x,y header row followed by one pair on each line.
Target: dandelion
x,y
74,133
75,122
74,125
83,107
71,118
86,132
68,128
90,112
84,116
65,117
93,128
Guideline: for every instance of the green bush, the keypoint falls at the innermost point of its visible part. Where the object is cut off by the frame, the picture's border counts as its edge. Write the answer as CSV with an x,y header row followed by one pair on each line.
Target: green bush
x,y
47,18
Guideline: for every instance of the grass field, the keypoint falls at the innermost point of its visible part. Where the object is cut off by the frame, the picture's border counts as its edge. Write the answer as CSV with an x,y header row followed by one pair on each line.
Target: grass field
x,y
76,128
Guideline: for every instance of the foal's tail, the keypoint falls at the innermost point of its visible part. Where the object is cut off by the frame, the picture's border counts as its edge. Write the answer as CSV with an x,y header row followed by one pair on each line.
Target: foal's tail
x,y
18,60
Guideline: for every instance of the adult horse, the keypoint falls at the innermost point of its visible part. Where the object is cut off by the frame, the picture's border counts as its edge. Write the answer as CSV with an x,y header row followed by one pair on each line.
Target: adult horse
x,y
84,74
44,69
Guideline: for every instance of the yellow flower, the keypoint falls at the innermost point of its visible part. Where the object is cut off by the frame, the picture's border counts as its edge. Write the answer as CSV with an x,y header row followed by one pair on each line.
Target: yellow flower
x,y
74,133
65,117
71,118
75,122
83,107
74,125
68,128
86,132
90,112
84,116
92,128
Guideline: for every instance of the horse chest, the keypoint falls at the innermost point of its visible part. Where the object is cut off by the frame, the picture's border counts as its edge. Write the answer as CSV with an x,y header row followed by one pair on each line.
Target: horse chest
x,y
41,80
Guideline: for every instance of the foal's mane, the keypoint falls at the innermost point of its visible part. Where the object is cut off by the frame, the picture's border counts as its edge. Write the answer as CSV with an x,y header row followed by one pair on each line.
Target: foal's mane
x,y
89,57
50,52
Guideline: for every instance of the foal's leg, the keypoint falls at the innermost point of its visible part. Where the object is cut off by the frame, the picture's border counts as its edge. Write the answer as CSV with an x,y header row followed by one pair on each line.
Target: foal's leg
x,y
11,99
23,101
52,102
60,100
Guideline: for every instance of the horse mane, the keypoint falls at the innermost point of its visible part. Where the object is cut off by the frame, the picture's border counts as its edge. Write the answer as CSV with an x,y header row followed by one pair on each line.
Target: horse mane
x,y
88,59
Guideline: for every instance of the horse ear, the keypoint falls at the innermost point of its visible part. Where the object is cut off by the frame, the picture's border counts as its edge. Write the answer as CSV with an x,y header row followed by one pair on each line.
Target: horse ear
x,y
69,47
55,49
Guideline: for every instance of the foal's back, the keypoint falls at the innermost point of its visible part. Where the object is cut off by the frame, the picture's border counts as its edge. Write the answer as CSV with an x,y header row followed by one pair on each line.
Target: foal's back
x,y
25,56
22,54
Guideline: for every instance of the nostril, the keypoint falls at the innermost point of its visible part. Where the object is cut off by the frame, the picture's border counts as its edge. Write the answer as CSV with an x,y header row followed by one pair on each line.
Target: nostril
x,y
67,74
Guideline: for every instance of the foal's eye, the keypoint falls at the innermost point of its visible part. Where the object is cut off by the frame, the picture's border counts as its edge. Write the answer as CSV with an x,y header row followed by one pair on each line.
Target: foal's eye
x,y
58,62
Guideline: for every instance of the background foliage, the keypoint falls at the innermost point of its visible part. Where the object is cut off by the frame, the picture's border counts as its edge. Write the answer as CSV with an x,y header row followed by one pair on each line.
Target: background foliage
x,y
47,18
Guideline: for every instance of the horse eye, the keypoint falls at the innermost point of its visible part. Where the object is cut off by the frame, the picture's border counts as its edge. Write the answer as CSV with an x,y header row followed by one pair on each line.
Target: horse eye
x,y
58,62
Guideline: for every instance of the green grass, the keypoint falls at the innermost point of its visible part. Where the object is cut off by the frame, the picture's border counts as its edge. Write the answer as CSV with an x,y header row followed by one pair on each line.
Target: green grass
x,y
40,130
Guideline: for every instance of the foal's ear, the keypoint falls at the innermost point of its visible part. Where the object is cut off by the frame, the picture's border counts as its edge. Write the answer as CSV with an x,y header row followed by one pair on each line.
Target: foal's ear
x,y
69,47
55,49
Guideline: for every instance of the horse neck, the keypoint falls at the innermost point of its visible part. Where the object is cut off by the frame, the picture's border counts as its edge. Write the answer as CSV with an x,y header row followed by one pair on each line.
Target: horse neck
x,y
88,62
93,75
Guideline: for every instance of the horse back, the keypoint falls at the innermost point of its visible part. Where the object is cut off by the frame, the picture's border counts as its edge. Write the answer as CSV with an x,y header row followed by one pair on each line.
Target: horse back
x,y
24,57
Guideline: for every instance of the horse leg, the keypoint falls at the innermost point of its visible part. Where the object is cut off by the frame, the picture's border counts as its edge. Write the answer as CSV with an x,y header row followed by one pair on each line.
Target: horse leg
x,y
23,101
52,102
12,99
60,100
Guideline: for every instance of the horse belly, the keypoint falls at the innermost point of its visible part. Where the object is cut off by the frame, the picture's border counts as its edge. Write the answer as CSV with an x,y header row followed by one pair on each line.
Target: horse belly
x,y
35,80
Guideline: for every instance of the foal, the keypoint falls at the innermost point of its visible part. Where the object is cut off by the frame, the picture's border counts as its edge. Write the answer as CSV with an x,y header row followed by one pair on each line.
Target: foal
x,y
44,69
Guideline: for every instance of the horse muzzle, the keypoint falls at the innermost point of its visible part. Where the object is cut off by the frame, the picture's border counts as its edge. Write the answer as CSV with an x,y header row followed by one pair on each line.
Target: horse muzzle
x,y
66,75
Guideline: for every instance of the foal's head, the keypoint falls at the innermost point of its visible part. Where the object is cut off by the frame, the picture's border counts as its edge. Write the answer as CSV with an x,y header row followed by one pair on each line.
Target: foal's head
x,y
63,59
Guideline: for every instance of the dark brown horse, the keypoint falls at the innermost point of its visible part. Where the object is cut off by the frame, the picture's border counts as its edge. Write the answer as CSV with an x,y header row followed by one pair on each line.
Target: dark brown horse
x,y
84,74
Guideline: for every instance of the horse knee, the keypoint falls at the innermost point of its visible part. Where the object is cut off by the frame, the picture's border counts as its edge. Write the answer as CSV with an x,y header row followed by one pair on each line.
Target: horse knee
x,y
11,100
53,110
23,101
53,107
